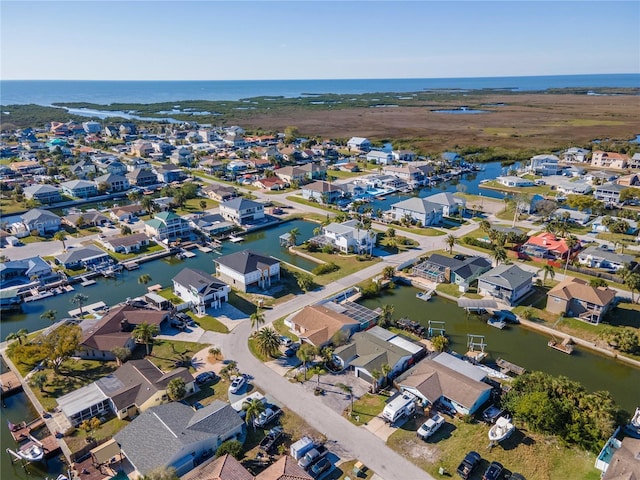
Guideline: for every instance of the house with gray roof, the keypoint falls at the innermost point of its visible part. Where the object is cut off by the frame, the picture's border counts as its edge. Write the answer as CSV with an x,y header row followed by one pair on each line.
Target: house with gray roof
x,y
507,283
90,218
419,210
42,221
247,269
323,192
573,216
242,211
83,257
451,205
602,257
20,272
79,188
174,435
601,225
347,237
44,194
113,181
200,289
142,177
609,193
442,269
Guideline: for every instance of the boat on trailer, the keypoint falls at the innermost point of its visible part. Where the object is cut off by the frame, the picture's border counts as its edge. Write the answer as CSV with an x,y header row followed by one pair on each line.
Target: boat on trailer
x,y
502,429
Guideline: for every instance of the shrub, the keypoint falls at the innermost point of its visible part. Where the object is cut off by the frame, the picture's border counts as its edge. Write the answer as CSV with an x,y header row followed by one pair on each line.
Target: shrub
x,y
325,268
232,447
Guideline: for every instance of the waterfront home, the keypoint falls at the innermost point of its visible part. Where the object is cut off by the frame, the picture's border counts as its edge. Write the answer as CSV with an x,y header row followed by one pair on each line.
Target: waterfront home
x,y
544,165
347,237
228,468
200,289
322,192
620,459
127,213
241,211
175,435
369,351
142,177
545,245
603,258
99,338
318,324
572,216
114,182
246,269
27,166
142,148
574,188
508,283
451,205
634,162
291,174
515,182
79,188
90,218
219,192
602,224
22,272
211,224
451,158
609,193
573,171
632,180
447,381
83,257
403,155
575,155
167,226
314,171
45,194
109,164
600,177
460,271
411,174
134,387
609,159
380,158
42,221
359,144
574,297
125,243
418,210
169,173
91,127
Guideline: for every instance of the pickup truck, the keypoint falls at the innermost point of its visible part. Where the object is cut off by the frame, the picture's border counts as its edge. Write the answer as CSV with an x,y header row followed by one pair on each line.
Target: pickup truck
x,y
271,439
470,461
269,414
430,427
312,455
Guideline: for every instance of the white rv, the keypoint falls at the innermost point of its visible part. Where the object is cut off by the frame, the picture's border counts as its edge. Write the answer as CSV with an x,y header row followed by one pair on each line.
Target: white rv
x,y
401,406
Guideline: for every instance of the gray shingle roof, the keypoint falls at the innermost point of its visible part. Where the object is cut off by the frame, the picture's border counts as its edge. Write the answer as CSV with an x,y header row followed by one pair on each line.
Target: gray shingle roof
x,y
201,281
507,276
246,261
240,203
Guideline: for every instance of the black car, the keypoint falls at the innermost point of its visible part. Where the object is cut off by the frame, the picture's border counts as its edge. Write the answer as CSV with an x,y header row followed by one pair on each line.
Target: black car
x,y
205,377
469,462
493,472
321,466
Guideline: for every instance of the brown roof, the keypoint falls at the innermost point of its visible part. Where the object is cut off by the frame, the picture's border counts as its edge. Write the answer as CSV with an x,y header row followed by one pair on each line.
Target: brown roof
x,y
126,240
228,468
133,208
581,290
321,323
434,380
284,469
108,332
625,463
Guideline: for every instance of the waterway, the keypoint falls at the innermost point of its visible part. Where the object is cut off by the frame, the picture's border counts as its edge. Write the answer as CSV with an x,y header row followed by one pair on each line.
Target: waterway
x,y
518,345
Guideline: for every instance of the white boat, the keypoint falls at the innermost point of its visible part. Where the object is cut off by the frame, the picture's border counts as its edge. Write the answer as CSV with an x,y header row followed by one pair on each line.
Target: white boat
x,y
426,296
633,427
495,322
31,452
502,429
235,239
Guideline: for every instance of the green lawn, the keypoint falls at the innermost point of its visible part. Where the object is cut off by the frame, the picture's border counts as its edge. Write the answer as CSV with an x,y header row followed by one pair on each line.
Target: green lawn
x,y
450,289
166,353
535,456
151,248
193,205
209,323
282,329
367,407
424,231
169,295
242,304
77,440
302,201
539,189
348,264
341,174
253,348
10,205
619,238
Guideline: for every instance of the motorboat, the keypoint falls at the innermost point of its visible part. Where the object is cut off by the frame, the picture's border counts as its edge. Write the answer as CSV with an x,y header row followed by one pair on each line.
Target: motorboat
x,y
633,427
502,429
496,322
31,452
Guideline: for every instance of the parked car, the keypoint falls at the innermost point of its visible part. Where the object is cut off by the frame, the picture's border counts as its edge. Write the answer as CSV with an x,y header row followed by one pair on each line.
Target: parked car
x,y
237,384
469,462
430,427
205,377
289,352
286,341
493,472
271,439
267,416
321,466
312,456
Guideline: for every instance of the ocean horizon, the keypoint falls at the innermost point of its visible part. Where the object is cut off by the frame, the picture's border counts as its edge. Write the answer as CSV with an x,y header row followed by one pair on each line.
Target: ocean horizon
x,y
104,92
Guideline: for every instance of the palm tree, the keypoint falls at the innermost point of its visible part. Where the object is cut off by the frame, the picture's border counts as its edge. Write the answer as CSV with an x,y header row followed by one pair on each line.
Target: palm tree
x,y
499,255
485,226
79,299
375,376
294,233
144,333
318,370
147,204
19,335
252,408
257,319
267,341
386,315
61,236
134,196
451,241
305,353
327,354
389,272
144,278
203,204
125,230
39,380
547,271
348,390
572,242
49,315
386,370
631,279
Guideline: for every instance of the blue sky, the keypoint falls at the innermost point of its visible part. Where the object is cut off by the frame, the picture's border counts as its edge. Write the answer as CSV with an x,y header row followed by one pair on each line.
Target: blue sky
x,y
242,40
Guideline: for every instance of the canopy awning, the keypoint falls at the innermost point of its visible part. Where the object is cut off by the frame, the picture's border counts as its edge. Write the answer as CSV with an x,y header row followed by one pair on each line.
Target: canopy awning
x,y
106,452
476,304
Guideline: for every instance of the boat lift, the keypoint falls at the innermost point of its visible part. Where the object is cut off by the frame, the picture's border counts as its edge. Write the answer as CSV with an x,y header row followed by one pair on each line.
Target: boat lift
x,y
437,327
473,342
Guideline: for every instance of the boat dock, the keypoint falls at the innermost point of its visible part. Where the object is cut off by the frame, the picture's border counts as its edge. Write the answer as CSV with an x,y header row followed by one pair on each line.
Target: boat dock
x,y
566,346
187,254
497,323
21,431
9,384
131,265
426,295
88,309
508,367
234,239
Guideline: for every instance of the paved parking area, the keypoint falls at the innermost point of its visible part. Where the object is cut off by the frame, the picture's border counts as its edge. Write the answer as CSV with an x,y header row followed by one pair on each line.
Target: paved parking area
x,y
283,365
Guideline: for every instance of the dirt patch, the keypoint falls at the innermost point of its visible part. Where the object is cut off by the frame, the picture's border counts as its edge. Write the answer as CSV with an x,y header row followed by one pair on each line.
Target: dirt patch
x,y
428,453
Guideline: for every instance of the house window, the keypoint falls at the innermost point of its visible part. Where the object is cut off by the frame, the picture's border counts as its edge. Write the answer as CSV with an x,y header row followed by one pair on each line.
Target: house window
x,y
556,300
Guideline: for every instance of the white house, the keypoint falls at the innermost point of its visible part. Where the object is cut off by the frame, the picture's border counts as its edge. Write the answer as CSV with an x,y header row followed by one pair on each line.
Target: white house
x,y
200,289
42,221
575,155
381,158
451,205
508,283
515,182
602,257
359,143
167,225
242,211
246,269
544,165
419,210
347,237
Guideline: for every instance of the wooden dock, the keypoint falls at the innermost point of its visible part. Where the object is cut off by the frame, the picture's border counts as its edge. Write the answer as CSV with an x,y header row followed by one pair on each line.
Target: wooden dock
x,y
9,384
508,367
22,430
566,346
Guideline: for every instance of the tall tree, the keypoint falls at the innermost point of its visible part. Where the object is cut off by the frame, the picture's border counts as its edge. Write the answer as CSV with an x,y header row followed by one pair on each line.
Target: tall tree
x,y
572,242
375,377
61,344
348,390
632,280
79,299
19,335
176,389
144,333
547,271
61,236
49,315
386,315
257,319
267,341
294,233
305,354
451,240
499,255
386,369
485,226
38,380
389,272
252,408
121,354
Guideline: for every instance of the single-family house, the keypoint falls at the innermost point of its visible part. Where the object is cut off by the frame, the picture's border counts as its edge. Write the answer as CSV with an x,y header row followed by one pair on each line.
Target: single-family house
x,y
380,158
359,144
576,298
45,194
411,174
270,183
228,468
142,177
575,155
545,165
368,351
90,218
242,211
322,192
602,224
403,155
620,460
314,171
609,193
200,289
219,192
21,272
632,180
114,182
126,243
545,245
246,269
27,166
211,224
448,381
181,156
451,205
127,213
91,127
609,159
508,283
83,257
142,148
574,188
451,158
79,188
291,174
347,237
604,258
42,221
634,162
515,182
460,270
318,324
571,216
169,173
167,226
419,210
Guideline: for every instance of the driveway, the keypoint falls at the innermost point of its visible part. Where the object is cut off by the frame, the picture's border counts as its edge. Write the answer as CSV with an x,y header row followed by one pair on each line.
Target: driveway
x,y
334,397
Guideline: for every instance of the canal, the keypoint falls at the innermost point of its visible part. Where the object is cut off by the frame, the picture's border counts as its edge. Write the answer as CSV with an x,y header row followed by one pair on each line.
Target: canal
x,y
518,345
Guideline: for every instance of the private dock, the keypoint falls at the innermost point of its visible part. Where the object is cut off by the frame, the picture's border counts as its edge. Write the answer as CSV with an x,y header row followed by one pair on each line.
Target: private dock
x,y
426,295
21,431
9,384
566,346
89,309
508,367
131,265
